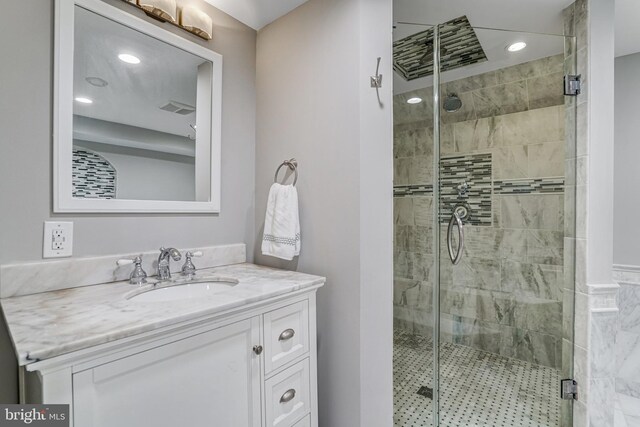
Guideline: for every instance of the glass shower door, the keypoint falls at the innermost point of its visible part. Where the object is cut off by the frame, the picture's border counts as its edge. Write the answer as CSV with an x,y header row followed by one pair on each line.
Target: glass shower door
x,y
414,261
503,285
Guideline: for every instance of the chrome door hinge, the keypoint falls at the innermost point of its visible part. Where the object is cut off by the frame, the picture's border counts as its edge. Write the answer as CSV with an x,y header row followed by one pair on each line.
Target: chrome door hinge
x,y
572,84
569,389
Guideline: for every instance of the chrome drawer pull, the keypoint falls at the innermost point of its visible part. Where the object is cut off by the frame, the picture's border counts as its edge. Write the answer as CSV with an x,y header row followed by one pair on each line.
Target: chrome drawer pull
x,y
288,396
287,334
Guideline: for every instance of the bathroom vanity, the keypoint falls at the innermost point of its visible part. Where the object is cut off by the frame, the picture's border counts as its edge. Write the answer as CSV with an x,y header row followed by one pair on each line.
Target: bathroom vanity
x,y
236,348
137,128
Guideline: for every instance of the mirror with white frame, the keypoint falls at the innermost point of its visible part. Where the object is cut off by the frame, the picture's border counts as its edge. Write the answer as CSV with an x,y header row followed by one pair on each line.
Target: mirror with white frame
x,y
137,115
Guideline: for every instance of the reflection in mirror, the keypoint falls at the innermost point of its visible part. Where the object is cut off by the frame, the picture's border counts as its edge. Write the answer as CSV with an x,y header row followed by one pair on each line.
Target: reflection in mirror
x,y
138,102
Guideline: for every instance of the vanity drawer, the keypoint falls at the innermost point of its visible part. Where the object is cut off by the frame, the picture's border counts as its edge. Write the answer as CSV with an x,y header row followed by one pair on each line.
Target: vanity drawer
x,y
286,335
287,396
305,422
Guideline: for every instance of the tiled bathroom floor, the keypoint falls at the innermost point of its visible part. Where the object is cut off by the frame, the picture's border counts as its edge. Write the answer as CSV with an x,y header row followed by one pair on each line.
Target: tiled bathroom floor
x,y
478,389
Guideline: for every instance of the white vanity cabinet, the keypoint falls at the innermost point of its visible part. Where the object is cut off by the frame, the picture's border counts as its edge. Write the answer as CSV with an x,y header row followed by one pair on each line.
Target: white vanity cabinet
x,y
209,376
254,367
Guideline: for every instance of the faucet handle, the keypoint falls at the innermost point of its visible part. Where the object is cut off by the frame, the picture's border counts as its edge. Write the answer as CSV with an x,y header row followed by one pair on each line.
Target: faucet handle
x,y
138,275
188,269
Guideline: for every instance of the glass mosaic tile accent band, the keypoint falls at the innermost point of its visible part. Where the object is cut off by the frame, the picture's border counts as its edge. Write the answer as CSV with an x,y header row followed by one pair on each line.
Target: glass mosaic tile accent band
x,y
527,186
515,186
93,177
412,190
413,55
474,171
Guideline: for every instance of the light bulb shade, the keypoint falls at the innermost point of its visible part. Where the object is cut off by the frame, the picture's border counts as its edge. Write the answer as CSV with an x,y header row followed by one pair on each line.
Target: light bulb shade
x,y
196,21
165,10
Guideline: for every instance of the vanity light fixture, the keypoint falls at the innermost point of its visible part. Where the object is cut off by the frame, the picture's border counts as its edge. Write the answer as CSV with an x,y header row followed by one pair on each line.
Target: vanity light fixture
x,y
516,47
414,100
164,10
83,100
191,19
196,21
128,58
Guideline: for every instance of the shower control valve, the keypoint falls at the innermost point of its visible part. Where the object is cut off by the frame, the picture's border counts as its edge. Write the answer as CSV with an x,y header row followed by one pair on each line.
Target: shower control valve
x,y
463,189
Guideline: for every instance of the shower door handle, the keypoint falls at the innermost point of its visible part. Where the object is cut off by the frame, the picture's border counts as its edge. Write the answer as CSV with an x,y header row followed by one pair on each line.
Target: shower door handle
x,y
455,220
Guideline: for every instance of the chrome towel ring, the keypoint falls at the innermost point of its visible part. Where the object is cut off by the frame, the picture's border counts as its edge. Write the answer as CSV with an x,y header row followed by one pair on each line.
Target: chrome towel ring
x,y
460,212
457,222
292,164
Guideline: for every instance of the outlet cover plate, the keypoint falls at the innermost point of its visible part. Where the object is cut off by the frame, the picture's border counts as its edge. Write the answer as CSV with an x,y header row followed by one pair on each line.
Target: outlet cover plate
x,y
58,239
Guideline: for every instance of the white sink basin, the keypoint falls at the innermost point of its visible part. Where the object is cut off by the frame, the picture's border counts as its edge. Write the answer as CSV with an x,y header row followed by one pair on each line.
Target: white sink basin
x,y
201,289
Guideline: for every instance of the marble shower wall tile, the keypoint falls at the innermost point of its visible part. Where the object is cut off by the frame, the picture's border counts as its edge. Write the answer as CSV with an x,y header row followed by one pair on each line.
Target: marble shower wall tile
x,y
546,91
545,247
532,281
510,162
489,306
528,86
627,411
507,294
602,341
503,99
423,211
533,211
401,170
534,126
404,113
628,363
541,349
602,404
403,264
403,212
477,135
538,315
628,335
546,160
472,83
528,70
629,306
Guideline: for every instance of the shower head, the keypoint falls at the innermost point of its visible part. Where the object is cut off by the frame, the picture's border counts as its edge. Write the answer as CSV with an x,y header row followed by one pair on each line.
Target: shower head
x,y
452,103
428,54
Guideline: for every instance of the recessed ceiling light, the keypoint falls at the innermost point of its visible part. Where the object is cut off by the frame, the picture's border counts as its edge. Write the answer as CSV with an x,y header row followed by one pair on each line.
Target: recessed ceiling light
x,y
83,100
517,46
414,100
129,59
96,81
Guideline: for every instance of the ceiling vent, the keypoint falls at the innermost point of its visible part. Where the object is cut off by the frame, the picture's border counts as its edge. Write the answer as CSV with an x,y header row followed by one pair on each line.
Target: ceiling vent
x,y
178,108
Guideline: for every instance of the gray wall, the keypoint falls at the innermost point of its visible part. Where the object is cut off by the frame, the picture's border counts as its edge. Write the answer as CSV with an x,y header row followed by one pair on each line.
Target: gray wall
x,y
25,163
315,104
627,155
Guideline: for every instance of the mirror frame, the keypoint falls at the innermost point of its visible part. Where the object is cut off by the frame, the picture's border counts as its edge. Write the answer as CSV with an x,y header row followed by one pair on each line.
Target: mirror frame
x,y
63,200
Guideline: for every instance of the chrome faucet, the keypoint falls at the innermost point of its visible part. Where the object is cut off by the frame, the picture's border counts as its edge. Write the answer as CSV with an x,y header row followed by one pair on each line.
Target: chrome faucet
x,y
164,270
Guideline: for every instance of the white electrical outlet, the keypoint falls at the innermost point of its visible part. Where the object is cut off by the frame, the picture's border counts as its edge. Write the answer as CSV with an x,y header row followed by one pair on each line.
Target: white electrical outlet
x,y
58,239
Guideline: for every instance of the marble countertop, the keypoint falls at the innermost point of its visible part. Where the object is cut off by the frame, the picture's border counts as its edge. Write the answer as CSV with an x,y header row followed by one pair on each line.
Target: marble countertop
x,y
49,324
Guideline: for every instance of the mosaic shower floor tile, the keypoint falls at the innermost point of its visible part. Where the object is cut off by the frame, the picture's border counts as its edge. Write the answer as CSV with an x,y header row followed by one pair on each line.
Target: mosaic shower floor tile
x,y
478,389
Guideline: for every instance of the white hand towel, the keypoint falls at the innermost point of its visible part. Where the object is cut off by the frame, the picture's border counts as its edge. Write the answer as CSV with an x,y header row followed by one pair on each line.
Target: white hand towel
x,y
281,237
